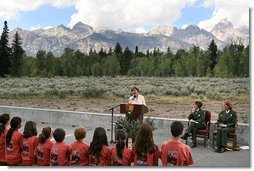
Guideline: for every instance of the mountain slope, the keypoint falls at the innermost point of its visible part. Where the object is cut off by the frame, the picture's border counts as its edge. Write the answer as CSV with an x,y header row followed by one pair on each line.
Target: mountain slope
x,y
83,37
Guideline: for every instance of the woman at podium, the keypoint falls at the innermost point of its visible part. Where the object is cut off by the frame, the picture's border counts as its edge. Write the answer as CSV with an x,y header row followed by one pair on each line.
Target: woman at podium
x,y
137,98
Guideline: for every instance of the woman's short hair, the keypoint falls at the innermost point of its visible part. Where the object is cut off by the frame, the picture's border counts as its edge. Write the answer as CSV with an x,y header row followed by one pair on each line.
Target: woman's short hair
x,y
135,88
199,104
228,104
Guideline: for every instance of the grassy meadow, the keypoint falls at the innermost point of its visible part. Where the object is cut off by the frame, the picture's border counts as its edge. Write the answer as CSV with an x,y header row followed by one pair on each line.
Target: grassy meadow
x,y
159,92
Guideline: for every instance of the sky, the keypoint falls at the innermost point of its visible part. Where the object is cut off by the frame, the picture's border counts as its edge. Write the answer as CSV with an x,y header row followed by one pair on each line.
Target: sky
x,y
137,16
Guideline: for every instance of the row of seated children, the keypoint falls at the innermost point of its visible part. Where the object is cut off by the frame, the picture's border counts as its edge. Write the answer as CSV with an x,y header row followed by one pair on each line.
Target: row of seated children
x,y
27,149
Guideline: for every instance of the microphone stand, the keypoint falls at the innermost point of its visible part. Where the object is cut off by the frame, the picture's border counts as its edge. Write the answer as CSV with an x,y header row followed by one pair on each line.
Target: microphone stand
x,y
112,116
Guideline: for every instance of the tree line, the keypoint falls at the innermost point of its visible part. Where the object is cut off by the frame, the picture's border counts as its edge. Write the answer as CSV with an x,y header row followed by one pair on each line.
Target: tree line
x,y
232,61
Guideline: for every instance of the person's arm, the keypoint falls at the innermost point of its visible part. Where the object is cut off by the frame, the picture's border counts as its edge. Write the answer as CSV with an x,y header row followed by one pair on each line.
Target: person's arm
x,y
219,119
131,99
143,101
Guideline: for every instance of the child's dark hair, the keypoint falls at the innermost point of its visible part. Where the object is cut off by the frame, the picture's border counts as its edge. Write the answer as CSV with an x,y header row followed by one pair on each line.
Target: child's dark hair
x,y
144,141
4,118
99,139
45,134
59,135
15,123
176,128
121,137
30,129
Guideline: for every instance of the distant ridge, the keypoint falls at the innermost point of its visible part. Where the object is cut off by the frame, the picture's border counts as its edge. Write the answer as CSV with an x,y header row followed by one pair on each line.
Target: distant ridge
x,y
83,37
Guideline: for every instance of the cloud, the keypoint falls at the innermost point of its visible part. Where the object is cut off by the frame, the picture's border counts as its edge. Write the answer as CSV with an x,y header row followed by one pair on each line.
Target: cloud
x,y
140,30
128,15
133,15
39,27
185,26
236,11
10,9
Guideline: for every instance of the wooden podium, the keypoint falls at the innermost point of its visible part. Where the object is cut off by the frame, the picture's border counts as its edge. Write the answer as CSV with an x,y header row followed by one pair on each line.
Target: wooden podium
x,y
133,111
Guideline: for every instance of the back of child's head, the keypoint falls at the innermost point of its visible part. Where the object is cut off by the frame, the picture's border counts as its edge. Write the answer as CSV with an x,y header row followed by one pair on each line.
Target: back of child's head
x,y
176,128
121,137
15,124
80,133
30,129
99,139
144,141
59,135
45,134
4,119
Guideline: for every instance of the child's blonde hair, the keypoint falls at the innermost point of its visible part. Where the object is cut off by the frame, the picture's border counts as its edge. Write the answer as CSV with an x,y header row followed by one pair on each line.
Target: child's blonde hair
x,y
80,133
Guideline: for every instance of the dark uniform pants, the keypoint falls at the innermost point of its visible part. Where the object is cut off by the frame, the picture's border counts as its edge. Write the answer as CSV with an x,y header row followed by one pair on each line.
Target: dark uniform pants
x,y
193,127
222,133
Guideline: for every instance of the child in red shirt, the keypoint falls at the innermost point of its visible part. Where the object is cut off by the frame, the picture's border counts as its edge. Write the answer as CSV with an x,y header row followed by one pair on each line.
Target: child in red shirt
x,y
14,142
120,155
30,142
44,146
79,150
145,152
59,153
173,152
4,121
99,152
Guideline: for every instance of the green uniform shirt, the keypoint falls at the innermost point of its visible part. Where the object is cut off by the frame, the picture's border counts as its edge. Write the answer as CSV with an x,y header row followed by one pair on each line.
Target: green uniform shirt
x,y
229,119
199,116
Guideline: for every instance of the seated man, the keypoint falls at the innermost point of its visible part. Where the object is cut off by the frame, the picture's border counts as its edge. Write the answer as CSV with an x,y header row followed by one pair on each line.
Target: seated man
x,y
226,122
197,121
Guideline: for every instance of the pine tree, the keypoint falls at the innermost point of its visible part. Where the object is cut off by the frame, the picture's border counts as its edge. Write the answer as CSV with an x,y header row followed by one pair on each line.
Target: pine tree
x,y
41,63
49,60
213,54
118,49
136,49
125,61
5,51
17,53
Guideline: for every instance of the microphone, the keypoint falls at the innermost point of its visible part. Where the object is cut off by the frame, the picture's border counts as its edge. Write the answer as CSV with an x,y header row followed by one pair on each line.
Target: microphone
x,y
134,97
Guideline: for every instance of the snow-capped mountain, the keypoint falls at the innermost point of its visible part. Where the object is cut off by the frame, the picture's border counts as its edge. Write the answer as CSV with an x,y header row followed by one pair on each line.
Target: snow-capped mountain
x,y
225,31
84,37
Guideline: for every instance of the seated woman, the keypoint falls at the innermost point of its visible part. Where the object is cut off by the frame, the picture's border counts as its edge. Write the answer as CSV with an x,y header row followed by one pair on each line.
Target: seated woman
x,y
197,121
226,122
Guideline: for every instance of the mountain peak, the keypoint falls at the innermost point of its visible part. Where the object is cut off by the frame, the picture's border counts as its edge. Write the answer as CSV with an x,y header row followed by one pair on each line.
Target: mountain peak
x,y
225,31
18,29
164,30
82,29
79,25
223,25
193,28
63,27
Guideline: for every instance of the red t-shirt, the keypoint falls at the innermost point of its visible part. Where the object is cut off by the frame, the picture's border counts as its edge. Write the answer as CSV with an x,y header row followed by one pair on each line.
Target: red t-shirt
x,y
175,153
3,145
59,154
103,159
28,154
124,161
43,153
13,149
79,154
149,159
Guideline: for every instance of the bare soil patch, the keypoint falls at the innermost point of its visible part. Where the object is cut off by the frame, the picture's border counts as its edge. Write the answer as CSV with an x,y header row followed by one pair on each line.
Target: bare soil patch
x,y
164,106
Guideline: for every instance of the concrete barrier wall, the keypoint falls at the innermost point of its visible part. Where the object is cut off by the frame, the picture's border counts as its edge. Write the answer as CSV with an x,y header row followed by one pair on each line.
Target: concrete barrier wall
x,y
61,117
